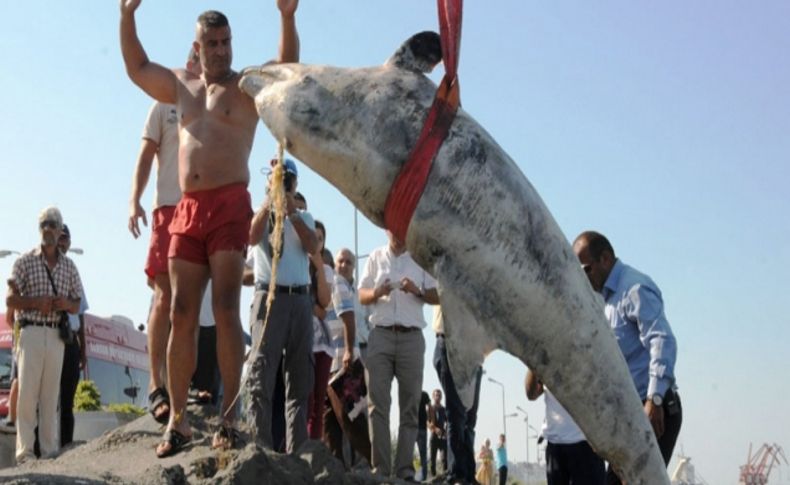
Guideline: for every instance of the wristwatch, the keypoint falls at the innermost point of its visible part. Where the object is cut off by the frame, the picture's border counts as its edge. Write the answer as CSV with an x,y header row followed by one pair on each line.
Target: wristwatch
x,y
657,400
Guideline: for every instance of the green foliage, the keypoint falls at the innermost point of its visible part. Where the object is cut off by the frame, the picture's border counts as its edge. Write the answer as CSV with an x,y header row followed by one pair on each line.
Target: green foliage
x,y
87,397
125,408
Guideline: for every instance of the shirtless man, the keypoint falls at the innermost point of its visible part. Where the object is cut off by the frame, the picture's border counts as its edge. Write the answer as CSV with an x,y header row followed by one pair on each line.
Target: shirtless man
x,y
211,225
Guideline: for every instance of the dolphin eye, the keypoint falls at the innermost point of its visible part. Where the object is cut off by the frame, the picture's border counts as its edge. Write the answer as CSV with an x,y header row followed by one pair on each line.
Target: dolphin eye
x,y
308,81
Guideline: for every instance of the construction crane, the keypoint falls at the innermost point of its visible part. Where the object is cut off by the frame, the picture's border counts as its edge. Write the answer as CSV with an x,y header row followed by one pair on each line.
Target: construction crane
x,y
758,467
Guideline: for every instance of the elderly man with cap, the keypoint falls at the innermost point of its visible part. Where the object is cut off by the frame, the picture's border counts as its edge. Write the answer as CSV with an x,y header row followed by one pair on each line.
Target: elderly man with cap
x,y
73,356
288,333
44,284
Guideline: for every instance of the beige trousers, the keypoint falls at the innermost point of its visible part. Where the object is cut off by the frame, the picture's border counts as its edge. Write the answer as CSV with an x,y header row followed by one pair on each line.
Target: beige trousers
x,y
400,356
40,363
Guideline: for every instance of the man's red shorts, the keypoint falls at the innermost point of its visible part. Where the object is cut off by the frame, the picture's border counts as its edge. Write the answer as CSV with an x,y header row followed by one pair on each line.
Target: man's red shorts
x,y
211,220
160,241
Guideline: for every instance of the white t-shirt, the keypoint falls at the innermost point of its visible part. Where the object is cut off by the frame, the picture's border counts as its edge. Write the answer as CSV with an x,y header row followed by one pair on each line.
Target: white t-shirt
x,y
399,307
344,300
161,127
322,342
559,428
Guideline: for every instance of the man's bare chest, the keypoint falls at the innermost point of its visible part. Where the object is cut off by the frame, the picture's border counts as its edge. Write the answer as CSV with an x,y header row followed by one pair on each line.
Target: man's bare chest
x,y
216,103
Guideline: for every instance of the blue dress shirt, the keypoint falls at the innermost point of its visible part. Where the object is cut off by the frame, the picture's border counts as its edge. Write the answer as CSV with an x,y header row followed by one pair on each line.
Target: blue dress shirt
x,y
635,310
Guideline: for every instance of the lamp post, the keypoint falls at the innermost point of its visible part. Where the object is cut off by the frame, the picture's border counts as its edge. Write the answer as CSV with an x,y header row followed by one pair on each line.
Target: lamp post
x,y
526,422
356,248
7,252
504,422
536,435
79,251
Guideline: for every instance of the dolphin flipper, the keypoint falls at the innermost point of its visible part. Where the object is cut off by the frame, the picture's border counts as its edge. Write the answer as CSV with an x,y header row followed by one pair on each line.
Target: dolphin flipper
x,y
467,343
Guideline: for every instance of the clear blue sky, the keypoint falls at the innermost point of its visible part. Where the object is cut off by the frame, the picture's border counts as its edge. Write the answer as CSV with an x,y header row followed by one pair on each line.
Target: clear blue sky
x,y
664,125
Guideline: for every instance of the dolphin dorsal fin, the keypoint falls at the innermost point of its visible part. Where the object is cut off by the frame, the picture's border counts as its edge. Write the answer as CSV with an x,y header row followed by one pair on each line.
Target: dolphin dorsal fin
x,y
420,53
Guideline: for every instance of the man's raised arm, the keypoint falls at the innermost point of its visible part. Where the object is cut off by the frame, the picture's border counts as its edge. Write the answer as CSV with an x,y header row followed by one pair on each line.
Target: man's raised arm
x,y
158,81
289,38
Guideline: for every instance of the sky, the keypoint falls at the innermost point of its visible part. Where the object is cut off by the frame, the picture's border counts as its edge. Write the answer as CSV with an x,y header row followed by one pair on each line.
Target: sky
x,y
663,125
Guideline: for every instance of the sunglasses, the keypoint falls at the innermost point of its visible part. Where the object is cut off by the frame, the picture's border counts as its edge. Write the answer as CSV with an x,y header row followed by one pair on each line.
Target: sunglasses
x,y
49,224
587,268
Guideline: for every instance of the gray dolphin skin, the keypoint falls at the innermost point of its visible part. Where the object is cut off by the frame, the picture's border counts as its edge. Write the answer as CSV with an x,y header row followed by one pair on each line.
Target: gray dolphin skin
x,y
504,267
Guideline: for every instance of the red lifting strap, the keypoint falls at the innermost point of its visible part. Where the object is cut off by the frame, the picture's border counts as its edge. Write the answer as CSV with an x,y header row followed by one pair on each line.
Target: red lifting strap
x,y
407,189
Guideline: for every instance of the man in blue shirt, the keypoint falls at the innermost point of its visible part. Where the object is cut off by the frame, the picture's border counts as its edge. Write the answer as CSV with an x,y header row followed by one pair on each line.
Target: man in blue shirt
x,y
289,327
501,460
635,310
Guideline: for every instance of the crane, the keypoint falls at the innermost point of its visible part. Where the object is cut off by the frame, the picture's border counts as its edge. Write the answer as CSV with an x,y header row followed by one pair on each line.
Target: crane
x,y
758,467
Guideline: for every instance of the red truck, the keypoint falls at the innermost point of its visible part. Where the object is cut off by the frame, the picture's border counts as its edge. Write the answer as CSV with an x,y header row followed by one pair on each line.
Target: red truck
x,y
117,360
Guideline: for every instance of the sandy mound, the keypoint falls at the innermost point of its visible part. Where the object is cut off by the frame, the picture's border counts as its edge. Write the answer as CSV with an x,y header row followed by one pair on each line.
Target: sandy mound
x,y
126,456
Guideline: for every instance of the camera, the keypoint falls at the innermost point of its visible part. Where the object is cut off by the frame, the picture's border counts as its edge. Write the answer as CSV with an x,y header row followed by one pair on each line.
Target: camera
x,y
288,181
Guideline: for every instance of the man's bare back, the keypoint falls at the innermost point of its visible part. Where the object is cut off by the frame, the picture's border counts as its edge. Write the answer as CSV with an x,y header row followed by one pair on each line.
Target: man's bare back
x,y
216,129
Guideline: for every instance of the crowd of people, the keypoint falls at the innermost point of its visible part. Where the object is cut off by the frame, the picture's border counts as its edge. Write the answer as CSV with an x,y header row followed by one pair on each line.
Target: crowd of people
x,y
325,348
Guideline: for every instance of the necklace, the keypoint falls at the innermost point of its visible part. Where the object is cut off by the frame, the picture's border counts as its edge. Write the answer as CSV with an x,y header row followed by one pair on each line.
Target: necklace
x,y
213,85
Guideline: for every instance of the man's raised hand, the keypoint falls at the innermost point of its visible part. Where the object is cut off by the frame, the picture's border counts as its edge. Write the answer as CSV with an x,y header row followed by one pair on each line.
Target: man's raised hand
x,y
129,6
287,7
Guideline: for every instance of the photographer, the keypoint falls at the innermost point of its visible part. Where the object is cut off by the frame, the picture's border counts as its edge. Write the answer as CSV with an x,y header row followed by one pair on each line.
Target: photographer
x,y
46,285
288,334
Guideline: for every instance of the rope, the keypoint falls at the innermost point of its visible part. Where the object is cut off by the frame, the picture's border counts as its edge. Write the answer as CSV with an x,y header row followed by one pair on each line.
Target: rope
x,y
277,193
410,183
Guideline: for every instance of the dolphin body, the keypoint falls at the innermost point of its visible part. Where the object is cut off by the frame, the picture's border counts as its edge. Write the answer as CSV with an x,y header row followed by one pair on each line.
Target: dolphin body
x,y
504,267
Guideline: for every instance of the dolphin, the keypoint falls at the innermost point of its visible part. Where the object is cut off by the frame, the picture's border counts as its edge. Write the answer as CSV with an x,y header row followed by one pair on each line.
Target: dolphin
x,y
504,267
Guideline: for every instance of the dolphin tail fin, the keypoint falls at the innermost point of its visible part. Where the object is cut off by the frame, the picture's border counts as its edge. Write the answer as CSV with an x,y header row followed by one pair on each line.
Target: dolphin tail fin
x,y
420,53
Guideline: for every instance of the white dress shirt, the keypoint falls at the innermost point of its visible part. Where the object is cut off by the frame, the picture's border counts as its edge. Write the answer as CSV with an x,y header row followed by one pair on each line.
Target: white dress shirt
x,y
399,307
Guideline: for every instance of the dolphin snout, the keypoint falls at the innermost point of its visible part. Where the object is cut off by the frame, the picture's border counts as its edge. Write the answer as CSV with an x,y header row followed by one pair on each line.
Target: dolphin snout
x,y
256,78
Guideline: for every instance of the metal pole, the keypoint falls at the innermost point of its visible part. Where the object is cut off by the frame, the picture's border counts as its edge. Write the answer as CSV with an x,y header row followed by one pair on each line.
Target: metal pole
x,y
504,420
356,249
526,420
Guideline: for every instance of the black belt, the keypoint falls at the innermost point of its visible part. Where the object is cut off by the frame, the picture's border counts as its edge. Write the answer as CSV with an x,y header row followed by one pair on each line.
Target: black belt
x,y
289,290
400,328
26,323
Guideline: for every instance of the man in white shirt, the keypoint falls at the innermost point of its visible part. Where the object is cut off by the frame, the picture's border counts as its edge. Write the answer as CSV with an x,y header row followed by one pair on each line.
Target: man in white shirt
x,y
160,143
569,458
396,290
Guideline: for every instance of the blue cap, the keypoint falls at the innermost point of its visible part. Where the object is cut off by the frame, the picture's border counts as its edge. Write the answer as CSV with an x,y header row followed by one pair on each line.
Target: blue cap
x,y
290,167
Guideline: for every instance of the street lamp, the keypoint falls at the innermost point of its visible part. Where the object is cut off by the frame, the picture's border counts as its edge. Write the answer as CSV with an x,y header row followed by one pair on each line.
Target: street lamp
x,y
7,252
356,248
76,250
526,421
536,435
504,422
